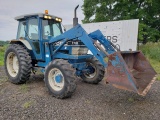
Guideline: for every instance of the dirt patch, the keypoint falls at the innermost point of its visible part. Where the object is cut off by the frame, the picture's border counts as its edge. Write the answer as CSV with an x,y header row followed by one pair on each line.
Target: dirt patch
x,y
98,102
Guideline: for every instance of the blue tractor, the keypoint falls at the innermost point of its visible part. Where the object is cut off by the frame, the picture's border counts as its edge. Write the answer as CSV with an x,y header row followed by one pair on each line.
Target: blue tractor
x,y
63,56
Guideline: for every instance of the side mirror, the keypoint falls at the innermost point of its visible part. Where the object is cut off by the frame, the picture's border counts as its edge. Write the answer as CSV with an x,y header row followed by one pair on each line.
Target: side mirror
x,y
64,29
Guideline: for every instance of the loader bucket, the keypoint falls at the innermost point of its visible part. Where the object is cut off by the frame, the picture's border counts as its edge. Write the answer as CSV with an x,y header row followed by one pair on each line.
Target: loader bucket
x,y
130,71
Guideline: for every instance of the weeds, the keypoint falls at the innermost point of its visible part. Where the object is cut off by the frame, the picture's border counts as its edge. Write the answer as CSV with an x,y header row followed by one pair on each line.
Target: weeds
x,y
158,77
3,81
27,104
24,88
130,99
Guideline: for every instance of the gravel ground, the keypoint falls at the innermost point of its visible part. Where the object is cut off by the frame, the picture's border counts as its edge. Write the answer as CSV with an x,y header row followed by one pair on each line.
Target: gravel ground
x,y
31,101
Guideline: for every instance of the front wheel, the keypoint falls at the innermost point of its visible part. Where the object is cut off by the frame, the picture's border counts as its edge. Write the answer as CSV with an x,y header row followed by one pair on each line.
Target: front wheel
x,y
60,78
96,71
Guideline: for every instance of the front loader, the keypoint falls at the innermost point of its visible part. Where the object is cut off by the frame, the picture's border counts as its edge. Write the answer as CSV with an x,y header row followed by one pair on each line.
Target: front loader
x,y
63,57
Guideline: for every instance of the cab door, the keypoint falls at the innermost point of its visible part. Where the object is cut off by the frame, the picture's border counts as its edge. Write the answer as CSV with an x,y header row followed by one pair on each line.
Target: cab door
x,y
34,37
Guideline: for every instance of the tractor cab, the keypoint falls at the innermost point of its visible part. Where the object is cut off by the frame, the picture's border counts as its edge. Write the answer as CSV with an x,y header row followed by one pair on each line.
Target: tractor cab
x,y
37,29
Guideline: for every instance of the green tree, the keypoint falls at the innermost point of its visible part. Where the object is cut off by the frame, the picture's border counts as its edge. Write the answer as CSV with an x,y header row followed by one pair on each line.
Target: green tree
x,y
147,11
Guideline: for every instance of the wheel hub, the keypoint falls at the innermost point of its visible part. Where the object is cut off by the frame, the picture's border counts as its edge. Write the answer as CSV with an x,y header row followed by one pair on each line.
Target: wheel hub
x,y
56,79
92,71
12,64
15,64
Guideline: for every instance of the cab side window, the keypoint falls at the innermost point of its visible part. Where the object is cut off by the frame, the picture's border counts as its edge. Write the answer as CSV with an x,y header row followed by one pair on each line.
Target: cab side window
x,y
21,30
56,29
46,29
33,33
33,29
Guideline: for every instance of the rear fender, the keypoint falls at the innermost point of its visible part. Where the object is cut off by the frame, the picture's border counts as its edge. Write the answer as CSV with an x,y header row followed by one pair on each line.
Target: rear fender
x,y
24,42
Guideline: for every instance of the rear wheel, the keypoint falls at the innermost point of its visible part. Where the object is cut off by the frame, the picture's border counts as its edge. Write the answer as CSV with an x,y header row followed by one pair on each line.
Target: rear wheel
x,y
60,78
96,72
17,64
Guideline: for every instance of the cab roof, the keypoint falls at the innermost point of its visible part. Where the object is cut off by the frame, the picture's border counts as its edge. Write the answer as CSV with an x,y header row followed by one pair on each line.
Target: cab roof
x,y
34,14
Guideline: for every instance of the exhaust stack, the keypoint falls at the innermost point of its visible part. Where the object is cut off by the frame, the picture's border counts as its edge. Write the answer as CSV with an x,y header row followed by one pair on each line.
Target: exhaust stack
x,y
75,19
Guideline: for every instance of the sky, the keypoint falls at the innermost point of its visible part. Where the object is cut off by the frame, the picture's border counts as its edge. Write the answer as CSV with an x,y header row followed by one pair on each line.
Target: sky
x,y
9,9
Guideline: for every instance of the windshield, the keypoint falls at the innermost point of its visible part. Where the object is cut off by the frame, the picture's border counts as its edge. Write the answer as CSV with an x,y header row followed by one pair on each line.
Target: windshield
x,y
51,28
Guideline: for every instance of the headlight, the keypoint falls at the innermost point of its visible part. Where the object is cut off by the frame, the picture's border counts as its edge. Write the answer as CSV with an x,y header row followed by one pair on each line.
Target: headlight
x,y
58,19
47,17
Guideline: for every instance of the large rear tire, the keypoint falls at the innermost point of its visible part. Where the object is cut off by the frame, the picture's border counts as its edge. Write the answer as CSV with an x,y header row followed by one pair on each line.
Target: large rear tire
x,y
96,74
17,64
60,78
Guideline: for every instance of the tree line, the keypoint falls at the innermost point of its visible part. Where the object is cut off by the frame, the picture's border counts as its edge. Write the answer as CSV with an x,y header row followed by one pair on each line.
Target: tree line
x,y
3,43
147,11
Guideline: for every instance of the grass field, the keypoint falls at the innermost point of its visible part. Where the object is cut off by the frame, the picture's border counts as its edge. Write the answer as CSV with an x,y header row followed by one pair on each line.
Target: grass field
x,y
156,66
151,51
2,51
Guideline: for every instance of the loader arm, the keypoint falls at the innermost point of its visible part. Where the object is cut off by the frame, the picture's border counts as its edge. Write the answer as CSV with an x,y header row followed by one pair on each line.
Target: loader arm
x,y
89,40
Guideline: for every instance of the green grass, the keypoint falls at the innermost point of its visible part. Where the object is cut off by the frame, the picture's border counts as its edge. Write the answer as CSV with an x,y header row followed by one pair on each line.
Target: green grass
x,y
2,51
3,46
156,65
152,52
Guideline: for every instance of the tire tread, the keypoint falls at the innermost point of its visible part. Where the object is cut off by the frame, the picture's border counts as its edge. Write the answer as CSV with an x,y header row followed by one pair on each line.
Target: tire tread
x,y
24,62
70,77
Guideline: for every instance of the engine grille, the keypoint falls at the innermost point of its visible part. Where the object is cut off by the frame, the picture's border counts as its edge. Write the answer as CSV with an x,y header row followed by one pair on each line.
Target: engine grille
x,y
79,50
